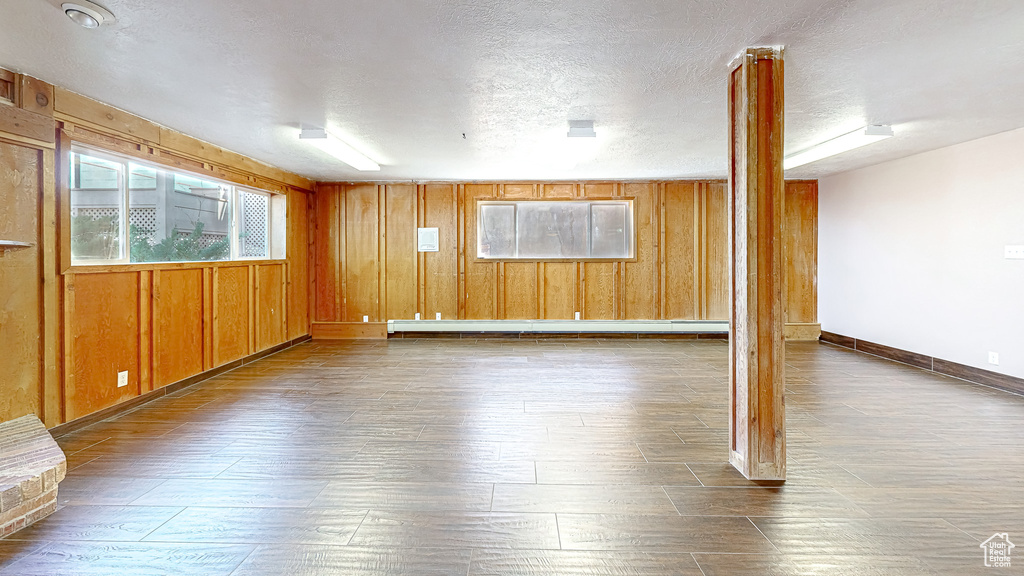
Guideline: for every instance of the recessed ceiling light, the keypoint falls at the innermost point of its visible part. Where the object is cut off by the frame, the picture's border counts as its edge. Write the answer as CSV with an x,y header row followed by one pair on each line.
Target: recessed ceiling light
x,y
87,14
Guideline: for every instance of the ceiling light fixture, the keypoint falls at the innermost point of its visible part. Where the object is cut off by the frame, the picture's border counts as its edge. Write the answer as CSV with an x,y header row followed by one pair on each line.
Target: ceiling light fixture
x,y
87,14
332,145
580,146
581,129
846,142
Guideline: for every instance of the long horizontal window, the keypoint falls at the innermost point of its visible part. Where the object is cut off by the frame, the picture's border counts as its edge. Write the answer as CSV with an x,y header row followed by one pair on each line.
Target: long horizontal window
x,y
123,211
555,230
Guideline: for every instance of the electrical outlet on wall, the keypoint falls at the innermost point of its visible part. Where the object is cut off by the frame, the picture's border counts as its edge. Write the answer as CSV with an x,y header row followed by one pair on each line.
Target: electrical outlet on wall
x,y
577,316
122,379
993,358
1014,253
366,318
437,316
417,315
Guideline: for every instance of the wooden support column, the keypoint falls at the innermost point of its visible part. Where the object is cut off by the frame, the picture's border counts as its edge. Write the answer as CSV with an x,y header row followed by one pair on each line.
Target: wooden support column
x,y
757,426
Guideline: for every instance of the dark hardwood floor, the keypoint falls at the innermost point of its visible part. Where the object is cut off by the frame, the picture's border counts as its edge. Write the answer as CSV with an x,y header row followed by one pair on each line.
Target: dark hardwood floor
x,y
494,456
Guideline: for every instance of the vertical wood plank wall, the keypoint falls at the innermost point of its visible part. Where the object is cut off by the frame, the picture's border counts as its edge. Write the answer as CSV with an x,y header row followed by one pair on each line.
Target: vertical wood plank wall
x,y
21,298
29,305
366,263
165,325
69,330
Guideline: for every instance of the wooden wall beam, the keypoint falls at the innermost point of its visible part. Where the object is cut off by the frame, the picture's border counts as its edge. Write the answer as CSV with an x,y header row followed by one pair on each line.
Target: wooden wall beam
x,y
421,257
50,294
8,87
757,427
33,127
146,331
460,210
382,253
171,147
208,306
258,343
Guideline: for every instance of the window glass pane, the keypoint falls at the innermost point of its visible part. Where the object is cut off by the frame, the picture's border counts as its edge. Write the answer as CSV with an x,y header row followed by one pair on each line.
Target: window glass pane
x,y
496,233
253,225
96,204
176,217
609,232
555,230
141,177
552,229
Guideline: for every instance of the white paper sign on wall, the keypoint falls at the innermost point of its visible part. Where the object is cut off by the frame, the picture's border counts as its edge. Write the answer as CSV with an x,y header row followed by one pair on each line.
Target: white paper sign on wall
x,y
427,239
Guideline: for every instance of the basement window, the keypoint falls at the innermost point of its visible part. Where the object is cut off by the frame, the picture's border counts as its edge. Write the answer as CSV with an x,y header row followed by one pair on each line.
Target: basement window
x,y
123,212
555,230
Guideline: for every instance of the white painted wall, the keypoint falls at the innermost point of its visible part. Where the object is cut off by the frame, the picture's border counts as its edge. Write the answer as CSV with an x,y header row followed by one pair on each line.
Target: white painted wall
x,y
911,253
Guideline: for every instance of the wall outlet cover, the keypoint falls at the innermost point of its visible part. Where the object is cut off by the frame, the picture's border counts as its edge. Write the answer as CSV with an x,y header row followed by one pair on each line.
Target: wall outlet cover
x,y
437,316
993,358
122,379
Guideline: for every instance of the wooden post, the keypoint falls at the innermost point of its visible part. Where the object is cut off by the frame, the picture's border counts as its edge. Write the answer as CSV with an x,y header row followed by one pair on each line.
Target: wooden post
x,y
757,427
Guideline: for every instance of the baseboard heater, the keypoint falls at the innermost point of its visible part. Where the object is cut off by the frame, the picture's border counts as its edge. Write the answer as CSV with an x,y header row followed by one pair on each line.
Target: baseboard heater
x,y
561,326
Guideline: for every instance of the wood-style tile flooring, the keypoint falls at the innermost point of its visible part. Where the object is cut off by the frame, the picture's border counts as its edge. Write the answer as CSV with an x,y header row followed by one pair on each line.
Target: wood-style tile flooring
x,y
561,456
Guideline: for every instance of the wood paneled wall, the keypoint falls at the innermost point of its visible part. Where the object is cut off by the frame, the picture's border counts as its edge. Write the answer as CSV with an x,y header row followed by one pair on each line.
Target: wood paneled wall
x,y
800,235
168,324
366,263
77,327
180,319
29,307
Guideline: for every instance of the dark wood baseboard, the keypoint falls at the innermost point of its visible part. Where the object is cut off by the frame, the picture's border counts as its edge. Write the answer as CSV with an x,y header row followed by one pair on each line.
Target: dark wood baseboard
x,y
127,405
838,340
912,358
945,367
549,335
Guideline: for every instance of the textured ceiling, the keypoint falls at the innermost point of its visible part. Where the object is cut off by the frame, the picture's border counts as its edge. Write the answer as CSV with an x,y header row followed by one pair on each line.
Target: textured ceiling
x,y
404,80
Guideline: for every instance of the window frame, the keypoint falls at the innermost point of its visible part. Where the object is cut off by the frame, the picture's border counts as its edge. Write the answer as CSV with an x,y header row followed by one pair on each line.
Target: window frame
x,y
124,239
122,223
631,233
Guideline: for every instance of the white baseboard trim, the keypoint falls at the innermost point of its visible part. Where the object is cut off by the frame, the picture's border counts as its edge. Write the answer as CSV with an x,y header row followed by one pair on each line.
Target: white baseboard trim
x,y
562,326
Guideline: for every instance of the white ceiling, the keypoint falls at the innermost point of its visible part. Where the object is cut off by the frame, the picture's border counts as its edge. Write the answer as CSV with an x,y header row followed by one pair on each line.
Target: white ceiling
x,y
404,79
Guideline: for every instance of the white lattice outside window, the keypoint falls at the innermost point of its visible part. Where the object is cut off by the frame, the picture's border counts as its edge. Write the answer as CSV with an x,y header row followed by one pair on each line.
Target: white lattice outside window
x,y
253,224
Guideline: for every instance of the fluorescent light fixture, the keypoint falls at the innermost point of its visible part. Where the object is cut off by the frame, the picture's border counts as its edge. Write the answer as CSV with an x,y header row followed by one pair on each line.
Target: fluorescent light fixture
x,y
846,142
332,145
581,129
